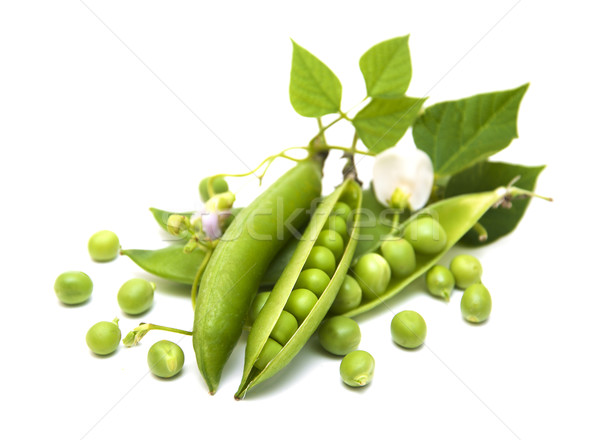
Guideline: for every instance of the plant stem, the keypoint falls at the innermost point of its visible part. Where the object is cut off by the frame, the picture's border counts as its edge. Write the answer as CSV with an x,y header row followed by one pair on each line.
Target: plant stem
x,y
199,273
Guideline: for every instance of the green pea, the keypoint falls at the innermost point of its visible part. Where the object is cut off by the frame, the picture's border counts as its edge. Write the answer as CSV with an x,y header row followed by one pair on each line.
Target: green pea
x,y
339,335
341,209
408,329
440,282
219,185
400,254
348,297
332,241
165,359
103,246
259,301
467,270
73,287
267,354
337,224
136,296
284,328
103,337
373,274
357,368
426,235
314,280
321,258
300,303
476,303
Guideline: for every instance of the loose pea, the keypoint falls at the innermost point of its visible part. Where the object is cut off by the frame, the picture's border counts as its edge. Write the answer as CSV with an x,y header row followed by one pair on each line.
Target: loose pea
x,y
426,235
314,280
284,328
103,246
300,303
73,287
467,270
338,224
440,282
400,254
103,337
267,354
339,335
219,185
165,359
373,274
349,296
332,241
476,303
408,329
259,301
136,296
357,368
341,209
321,258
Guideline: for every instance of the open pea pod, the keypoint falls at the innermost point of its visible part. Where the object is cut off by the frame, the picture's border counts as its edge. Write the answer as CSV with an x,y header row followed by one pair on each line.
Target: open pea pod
x,y
350,193
457,215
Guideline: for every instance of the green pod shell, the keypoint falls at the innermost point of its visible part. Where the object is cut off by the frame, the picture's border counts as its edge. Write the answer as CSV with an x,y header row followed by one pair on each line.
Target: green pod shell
x,y
262,328
457,215
239,261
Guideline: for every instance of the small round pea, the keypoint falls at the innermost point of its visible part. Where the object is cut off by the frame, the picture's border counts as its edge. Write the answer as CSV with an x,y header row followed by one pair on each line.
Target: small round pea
x,y
341,209
103,246
284,328
103,337
332,241
400,254
321,258
259,301
338,224
349,296
269,351
136,296
357,368
373,274
466,269
426,235
339,335
165,359
476,303
314,280
73,287
219,185
440,282
300,303
408,329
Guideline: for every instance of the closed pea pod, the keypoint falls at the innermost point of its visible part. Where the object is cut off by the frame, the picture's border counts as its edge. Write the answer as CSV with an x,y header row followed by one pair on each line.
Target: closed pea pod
x,y
255,370
239,262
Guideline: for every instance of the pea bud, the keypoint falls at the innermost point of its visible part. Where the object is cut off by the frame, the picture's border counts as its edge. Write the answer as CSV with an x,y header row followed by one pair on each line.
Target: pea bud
x,y
177,224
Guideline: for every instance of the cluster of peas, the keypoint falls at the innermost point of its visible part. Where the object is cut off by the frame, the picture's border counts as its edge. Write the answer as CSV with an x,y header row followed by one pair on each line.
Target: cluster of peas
x,y
135,297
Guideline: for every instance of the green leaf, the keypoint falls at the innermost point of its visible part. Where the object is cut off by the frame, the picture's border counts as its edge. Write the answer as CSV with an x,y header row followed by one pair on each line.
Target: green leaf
x,y
314,89
387,69
485,176
383,122
458,134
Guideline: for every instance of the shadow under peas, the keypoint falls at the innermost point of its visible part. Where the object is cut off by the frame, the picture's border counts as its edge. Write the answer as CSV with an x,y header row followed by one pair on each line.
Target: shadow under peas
x,y
166,286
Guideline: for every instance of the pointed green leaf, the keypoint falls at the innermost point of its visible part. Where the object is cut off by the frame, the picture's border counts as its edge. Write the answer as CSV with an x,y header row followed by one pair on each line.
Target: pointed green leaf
x,y
386,68
314,89
488,175
383,122
457,134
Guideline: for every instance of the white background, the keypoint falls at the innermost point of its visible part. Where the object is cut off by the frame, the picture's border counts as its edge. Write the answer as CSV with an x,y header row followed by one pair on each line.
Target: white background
x,y
110,107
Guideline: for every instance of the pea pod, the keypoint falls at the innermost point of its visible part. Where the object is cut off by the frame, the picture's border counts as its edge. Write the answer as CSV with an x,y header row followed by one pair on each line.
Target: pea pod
x,y
170,262
457,215
240,260
271,312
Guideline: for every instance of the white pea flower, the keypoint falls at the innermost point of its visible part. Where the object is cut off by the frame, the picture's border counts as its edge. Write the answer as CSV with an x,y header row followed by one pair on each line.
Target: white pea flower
x,y
403,178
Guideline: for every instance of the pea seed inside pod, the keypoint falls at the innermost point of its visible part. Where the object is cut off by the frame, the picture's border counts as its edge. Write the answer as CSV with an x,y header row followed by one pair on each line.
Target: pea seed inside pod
x,y
259,301
348,297
341,209
284,328
300,303
314,280
321,258
373,274
400,254
338,224
267,354
332,241
426,235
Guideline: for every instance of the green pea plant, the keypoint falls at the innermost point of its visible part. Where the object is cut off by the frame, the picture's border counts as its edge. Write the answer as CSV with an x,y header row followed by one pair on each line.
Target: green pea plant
x,y
424,201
